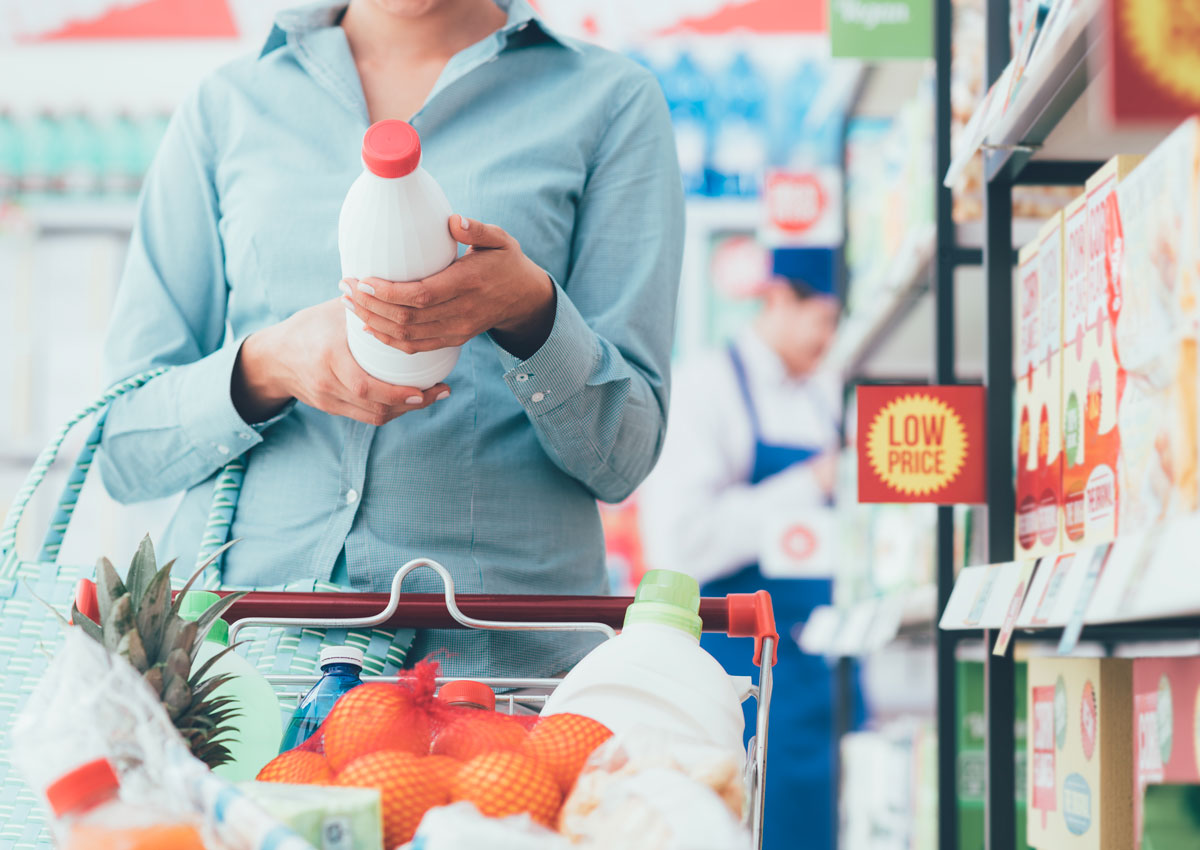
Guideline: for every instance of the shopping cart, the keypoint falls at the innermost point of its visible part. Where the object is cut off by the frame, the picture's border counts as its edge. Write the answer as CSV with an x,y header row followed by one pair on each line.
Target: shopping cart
x,y
738,615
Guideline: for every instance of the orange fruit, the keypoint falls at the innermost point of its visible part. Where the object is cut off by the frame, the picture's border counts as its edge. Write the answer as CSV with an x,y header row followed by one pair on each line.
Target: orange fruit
x,y
374,717
562,744
297,767
478,733
443,769
507,783
407,789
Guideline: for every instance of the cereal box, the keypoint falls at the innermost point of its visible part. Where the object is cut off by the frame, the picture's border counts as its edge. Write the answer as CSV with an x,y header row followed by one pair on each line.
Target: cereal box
x,y
1039,393
1148,222
1164,726
1080,754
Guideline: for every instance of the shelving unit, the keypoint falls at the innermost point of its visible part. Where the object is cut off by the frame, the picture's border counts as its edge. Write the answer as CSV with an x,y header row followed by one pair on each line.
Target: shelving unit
x,y
1037,141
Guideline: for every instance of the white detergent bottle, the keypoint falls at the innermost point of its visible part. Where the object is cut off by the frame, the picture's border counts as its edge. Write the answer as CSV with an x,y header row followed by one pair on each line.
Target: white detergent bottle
x,y
654,673
258,724
394,225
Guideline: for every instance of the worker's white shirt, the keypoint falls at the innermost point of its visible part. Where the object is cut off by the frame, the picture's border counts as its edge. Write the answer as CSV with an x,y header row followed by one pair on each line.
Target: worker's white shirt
x,y
698,512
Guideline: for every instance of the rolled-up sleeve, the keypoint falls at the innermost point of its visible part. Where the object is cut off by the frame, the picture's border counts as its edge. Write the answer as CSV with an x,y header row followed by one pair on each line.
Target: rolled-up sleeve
x,y
597,390
178,429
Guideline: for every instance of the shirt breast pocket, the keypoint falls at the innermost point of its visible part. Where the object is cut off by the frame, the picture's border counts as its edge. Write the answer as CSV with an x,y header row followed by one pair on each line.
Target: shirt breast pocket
x,y
291,269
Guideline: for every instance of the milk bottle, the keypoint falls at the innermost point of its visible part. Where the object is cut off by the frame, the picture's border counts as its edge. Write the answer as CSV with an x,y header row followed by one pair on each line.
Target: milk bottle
x,y
394,226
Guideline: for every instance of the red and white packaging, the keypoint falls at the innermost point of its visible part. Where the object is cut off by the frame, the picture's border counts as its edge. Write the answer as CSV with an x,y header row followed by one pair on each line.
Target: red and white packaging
x,y
1165,714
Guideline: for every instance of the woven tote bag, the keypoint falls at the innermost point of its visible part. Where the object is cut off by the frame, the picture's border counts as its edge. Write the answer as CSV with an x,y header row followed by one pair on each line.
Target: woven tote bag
x,y
29,633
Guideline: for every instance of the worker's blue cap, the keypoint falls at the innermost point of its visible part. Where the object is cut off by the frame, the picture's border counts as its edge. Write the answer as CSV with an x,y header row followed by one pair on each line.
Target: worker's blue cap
x,y
811,270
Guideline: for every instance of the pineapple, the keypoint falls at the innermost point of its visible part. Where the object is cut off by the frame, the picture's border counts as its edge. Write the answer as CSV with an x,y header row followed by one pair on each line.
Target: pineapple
x,y
139,622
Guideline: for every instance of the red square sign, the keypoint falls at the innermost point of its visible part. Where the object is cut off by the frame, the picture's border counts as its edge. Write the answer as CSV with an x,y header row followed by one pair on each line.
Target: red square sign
x,y
921,444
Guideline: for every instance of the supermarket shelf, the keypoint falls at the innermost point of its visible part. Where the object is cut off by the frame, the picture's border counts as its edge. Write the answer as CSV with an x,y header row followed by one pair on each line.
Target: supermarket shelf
x,y
55,217
1137,593
716,214
869,625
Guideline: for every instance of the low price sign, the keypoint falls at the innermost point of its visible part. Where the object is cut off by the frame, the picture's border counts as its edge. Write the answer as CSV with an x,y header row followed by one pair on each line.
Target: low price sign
x,y
921,444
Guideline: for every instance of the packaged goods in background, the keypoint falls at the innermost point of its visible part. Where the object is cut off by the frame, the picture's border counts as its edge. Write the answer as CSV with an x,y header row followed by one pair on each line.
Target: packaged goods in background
x,y
1092,380
1165,713
972,763
1080,753
1039,397
325,816
1149,222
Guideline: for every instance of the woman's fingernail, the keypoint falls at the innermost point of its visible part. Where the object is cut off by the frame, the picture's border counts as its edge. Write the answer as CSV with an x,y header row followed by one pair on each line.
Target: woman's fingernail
x,y
413,399
345,287
367,288
347,303
443,395
464,222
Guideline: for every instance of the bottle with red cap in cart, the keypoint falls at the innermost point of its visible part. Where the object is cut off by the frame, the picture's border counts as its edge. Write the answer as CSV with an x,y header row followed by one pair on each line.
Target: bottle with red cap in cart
x,y
394,225
91,816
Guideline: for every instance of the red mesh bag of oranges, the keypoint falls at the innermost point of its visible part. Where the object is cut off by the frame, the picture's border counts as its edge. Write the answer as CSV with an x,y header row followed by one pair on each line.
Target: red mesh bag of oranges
x,y
424,749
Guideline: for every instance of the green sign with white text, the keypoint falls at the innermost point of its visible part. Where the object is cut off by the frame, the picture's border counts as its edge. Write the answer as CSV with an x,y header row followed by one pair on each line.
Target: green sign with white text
x,y
881,29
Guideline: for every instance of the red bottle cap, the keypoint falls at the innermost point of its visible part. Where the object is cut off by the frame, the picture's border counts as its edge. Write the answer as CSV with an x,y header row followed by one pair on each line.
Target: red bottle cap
x,y
83,788
391,148
471,693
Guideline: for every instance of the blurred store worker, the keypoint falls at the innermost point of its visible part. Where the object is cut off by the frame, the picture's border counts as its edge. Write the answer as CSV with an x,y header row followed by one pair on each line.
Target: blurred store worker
x,y
754,431
558,158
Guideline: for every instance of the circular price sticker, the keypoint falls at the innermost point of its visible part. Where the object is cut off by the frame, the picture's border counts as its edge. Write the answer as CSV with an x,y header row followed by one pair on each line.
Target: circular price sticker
x,y
917,444
1087,720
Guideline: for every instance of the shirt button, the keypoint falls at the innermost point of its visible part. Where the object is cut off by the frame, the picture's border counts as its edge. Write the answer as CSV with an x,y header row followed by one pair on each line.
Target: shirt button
x,y
536,397
523,27
351,497
246,436
522,377
223,449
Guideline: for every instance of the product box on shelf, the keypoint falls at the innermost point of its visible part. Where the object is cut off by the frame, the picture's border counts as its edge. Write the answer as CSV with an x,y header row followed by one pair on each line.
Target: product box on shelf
x,y
1149,226
1164,726
1039,393
972,766
1091,377
1080,753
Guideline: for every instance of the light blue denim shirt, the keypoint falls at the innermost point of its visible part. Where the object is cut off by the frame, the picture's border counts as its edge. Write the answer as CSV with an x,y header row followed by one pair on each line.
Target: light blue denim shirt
x,y
567,147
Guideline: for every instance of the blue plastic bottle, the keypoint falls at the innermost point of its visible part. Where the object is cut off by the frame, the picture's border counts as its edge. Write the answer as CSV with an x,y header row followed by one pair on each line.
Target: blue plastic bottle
x,y
341,666
687,90
739,155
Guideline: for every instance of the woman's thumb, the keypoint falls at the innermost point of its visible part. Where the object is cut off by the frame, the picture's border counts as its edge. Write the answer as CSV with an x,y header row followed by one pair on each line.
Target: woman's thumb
x,y
476,233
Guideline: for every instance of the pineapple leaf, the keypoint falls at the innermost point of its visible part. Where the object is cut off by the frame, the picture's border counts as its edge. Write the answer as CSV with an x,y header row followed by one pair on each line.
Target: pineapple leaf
x,y
179,634
90,628
205,621
109,588
208,687
177,665
198,674
199,571
130,648
118,621
153,608
176,697
154,677
142,570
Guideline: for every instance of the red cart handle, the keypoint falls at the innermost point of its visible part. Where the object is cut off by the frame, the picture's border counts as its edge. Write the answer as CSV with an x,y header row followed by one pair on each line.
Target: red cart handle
x,y
738,615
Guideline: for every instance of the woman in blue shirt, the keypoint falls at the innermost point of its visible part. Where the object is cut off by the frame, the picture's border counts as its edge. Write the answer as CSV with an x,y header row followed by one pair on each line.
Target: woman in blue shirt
x,y
559,157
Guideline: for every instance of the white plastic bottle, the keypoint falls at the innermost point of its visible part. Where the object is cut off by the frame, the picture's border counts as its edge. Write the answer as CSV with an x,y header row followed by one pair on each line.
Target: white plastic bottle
x,y
654,673
259,725
394,226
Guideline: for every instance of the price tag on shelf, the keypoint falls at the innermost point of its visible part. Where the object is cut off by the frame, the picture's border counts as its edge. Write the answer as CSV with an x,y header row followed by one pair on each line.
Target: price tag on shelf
x,y
1026,569
982,595
820,630
1095,566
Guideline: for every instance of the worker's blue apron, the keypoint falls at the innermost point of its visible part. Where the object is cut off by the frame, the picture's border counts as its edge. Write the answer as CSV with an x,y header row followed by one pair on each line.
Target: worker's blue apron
x,y
801,792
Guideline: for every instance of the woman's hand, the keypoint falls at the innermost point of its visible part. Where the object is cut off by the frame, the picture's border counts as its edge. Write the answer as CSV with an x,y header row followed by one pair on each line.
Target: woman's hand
x,y
493,287
306,357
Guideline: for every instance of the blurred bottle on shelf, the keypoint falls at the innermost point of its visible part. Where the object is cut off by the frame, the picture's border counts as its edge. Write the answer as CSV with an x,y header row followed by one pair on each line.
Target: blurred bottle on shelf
x,y
122,154
687,91
793,145
739,154
43,159
11,153
82,165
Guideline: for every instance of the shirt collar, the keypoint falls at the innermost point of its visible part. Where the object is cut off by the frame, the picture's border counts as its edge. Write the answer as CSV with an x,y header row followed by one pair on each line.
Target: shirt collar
x,y
322,14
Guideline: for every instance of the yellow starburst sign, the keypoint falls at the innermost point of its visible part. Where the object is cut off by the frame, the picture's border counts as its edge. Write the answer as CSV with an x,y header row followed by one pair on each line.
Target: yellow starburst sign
x,y
1154,69
920,444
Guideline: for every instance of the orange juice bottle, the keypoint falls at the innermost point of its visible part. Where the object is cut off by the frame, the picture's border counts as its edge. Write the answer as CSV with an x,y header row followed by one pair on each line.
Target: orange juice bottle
x,y
92,817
